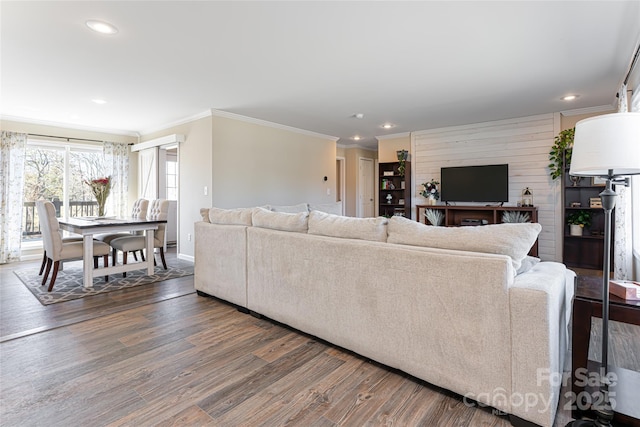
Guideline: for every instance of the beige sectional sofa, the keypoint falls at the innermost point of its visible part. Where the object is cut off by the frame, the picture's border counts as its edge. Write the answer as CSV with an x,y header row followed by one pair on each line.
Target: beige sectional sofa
x,y
462,308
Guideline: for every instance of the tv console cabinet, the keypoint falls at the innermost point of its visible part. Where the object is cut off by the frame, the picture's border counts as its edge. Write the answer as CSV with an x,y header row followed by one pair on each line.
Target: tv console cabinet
x,y
454,215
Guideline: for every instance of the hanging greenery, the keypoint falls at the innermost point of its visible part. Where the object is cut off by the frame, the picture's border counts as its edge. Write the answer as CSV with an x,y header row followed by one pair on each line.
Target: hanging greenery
x,y
560,153
403,155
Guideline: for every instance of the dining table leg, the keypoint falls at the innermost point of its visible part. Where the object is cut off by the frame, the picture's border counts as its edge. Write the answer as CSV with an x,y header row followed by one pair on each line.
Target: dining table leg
x,y
87,259
149,245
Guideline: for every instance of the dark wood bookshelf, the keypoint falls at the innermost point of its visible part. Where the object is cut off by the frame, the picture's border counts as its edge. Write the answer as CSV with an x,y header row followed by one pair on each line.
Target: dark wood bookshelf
x,y
587,250
392,183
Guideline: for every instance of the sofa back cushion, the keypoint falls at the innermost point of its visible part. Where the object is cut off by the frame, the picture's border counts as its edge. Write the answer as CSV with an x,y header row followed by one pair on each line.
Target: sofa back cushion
x,y
514,240
301,207
240,216
283,221
334,208
324,224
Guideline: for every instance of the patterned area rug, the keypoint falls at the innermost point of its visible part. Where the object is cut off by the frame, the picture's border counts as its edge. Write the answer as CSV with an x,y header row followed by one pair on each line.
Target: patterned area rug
x,y
68,284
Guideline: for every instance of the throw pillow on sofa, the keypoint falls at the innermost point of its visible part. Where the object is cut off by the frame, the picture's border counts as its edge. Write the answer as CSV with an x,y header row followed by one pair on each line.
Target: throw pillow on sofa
x,y
240,216
324,224
527,264
204,213
301,207
514,240
283,221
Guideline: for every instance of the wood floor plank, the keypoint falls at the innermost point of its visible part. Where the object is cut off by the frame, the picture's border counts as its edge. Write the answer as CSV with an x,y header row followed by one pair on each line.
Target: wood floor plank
x,y
404,406
280,347
229,397
270,407
192,416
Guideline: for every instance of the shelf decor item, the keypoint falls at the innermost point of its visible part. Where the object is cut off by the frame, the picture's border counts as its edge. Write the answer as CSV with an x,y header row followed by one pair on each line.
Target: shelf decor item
x,y
606,146
577,221
101,187
430,191
434,216
515,217
527,197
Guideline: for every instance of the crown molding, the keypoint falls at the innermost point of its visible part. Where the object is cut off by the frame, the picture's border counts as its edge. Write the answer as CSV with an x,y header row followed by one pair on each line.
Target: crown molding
x,y
234,116
69,126
362,147
202,115
588,110
394,136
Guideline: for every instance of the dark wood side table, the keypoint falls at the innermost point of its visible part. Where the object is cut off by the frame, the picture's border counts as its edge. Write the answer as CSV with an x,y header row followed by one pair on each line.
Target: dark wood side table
x,y
587,303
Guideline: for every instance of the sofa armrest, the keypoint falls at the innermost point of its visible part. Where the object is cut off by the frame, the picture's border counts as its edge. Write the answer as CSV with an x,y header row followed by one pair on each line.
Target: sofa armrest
x,y
539,320
220,265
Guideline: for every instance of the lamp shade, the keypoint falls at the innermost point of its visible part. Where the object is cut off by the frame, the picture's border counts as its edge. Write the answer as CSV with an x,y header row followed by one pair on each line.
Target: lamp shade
x,y
607,142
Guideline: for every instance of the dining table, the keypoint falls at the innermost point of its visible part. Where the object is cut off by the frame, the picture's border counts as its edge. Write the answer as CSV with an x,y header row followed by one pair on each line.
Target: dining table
x,y
87,227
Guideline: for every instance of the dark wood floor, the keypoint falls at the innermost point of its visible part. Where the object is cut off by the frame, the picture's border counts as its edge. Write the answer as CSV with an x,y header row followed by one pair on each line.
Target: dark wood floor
x,y
165,356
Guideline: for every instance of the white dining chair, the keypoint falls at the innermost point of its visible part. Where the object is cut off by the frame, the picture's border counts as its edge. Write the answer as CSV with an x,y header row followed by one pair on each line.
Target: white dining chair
x,y
56,250
158,210
139,211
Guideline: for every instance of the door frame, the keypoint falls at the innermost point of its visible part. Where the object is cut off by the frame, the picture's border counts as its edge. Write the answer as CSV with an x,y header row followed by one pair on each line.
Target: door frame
x,y
360,179
342,161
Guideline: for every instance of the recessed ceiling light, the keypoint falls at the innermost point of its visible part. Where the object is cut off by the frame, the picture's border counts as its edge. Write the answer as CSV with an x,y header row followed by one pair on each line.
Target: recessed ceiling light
x,y
101,27
356,138
99,101
359,116
569,97
387,126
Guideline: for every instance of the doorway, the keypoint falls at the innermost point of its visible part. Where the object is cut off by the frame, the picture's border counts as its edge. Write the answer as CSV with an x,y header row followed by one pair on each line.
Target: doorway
x,y
366,206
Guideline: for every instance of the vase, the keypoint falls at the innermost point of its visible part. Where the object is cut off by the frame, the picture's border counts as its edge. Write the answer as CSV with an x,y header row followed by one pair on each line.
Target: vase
x,y
432,201
575,230
101,209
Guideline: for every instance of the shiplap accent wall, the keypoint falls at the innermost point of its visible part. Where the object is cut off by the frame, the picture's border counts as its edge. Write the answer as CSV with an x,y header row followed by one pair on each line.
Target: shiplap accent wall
x,y
523,143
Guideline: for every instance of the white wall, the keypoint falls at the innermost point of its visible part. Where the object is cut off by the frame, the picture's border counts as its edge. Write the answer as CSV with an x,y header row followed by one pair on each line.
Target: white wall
x,y
523,143
244,163
257,164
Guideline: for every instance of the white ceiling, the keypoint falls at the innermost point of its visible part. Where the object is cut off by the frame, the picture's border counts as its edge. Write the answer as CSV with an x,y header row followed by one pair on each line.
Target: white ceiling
x,y
311,65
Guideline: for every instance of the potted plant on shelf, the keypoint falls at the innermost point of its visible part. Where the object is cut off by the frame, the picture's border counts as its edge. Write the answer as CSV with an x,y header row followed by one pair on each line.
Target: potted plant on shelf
x,y
403,155
577,221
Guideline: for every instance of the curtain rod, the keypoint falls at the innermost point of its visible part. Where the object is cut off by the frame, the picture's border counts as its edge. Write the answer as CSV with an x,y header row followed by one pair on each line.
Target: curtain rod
x,y
64,137
68,138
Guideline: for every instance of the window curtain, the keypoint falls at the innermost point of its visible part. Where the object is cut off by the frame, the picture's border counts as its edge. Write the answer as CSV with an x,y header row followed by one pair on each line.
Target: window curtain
x,y
12,155
635,199
626,217
116,158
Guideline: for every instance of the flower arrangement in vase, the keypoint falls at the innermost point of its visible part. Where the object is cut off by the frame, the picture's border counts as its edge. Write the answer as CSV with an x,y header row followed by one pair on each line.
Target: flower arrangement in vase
x,y
101,187
430,191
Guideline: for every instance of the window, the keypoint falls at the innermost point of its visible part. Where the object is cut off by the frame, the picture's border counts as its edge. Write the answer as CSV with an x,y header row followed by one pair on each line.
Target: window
x,y
56,172
172,179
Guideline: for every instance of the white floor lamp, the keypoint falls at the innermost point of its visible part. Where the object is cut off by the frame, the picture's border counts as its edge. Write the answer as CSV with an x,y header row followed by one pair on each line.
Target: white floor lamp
x,y
606,146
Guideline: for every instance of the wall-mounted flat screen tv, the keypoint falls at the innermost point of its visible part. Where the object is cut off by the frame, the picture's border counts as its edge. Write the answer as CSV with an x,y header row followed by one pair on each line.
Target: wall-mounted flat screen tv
x,y
488,184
